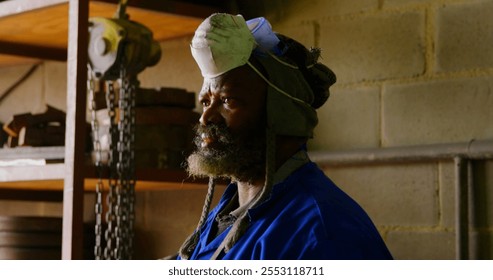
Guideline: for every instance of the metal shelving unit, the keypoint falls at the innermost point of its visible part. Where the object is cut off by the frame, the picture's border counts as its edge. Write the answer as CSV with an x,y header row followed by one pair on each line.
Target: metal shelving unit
x,y
57,30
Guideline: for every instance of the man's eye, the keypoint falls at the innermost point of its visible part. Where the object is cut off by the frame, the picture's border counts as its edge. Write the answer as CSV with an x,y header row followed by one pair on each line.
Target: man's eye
x,y
228,101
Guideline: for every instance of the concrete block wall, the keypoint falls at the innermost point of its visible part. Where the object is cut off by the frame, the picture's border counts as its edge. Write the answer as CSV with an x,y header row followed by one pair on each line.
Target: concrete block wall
x,y
410,72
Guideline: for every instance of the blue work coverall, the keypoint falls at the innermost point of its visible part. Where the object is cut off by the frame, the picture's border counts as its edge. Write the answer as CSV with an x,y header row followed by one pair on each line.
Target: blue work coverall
x,y
306,217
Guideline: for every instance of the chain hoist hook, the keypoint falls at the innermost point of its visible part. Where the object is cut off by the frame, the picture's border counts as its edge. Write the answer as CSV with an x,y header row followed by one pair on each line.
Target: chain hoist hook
x,y
121,11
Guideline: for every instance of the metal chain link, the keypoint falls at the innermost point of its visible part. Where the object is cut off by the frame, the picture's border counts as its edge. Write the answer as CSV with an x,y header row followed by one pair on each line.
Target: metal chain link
x,y
124,148
120,212
112,182
98,208
126,156
121,193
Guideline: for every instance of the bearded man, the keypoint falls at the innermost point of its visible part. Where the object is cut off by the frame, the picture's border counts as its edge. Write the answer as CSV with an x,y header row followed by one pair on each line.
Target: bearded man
x,y
259,96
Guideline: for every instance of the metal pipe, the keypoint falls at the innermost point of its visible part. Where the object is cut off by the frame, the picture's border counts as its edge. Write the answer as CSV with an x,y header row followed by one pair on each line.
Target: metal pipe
x,y
473,252
469,150
461,209
461,153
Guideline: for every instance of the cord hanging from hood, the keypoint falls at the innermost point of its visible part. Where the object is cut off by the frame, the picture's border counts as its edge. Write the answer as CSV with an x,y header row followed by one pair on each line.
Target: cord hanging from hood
x,y
298,84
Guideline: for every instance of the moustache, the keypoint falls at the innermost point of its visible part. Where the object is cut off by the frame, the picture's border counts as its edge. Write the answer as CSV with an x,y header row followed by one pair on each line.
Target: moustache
x,y
212,134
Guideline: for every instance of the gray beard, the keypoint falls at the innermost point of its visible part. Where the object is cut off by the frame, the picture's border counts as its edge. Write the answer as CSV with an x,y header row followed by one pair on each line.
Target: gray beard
x,y
236,158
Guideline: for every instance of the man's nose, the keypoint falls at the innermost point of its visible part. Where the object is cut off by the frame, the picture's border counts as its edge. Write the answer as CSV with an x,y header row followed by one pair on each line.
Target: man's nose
x,y
210,115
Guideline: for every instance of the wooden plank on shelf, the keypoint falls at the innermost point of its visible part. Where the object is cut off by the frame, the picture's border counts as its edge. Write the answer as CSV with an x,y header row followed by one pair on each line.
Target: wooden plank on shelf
x,y
46,27
14,193
11,8
89,185
26,50
39,28
152,179
15,60
180,8
39,188
32,173
32,153
163,24
55,185
50,177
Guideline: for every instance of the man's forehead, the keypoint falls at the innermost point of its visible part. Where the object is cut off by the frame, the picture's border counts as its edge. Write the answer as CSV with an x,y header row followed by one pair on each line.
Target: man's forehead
x,y
238,78
212,85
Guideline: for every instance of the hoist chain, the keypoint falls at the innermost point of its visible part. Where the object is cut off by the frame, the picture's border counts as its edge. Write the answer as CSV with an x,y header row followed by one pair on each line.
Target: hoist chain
x,y
120,201
98,209
109,235
125,168
118,50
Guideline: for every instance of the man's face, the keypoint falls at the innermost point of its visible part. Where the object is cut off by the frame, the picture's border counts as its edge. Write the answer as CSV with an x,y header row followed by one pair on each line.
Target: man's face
x,y
230,138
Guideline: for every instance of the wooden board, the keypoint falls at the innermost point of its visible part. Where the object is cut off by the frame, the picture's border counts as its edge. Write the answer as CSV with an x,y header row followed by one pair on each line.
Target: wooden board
x,y
42,32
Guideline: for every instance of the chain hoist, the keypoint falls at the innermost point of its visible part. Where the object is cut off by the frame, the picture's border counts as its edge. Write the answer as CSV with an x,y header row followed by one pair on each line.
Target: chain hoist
x,y
118,50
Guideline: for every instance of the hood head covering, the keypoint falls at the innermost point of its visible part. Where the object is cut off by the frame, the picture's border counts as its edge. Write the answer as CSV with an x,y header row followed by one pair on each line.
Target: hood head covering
x,y
297,85
297,82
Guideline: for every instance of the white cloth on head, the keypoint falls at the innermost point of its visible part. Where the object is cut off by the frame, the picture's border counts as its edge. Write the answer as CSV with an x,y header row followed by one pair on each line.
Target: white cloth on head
x,y
222,42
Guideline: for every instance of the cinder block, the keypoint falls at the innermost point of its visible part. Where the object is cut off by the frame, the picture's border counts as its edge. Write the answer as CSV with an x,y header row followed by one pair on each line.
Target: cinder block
x,y
455,110
295,12
402,3
27,97
398,195
350,119
447,194
465,36
421,245
378,47
303,33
